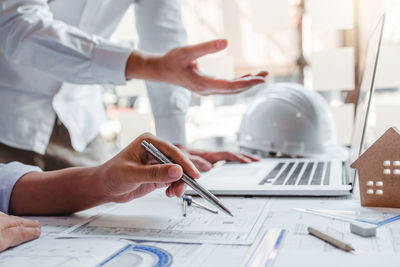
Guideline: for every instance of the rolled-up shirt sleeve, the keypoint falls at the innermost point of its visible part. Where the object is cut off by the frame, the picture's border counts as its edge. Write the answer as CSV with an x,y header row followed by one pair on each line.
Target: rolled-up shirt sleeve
x,y
30,36
160,28
9,175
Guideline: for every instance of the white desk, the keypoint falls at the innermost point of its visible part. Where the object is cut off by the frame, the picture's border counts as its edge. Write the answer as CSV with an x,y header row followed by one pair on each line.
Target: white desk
x,y
298,248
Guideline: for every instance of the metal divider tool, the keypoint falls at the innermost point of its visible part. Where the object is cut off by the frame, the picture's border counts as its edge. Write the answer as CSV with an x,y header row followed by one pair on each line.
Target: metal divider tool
x,y
184,207
189,201
203,192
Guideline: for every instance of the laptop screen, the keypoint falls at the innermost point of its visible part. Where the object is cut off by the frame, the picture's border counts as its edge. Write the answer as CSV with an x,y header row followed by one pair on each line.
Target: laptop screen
x,y
367,87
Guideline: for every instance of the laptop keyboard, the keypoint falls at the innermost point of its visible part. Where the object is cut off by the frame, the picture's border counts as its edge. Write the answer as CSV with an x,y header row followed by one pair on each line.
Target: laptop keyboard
x,y
295,175
272,174
282,177
299,173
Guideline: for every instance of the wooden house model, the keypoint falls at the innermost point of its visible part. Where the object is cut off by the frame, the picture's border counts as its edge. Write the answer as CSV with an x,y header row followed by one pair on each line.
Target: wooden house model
x,y
379,171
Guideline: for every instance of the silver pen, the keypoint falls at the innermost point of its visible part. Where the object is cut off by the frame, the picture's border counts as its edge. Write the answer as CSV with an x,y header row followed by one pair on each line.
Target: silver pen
x,y
203,192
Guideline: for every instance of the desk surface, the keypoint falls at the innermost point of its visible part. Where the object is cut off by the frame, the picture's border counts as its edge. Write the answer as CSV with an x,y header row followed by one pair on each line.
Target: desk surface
x,y
298,248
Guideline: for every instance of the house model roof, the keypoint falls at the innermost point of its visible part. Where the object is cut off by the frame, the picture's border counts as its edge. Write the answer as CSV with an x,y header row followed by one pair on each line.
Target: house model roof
x,y
387,146
379,171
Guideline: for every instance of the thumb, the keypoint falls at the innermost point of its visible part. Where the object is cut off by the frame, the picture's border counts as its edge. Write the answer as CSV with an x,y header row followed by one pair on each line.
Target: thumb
x,y
160,173
199,50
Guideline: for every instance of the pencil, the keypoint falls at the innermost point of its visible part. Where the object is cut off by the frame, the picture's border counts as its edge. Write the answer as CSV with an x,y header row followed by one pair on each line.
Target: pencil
x,y
329,239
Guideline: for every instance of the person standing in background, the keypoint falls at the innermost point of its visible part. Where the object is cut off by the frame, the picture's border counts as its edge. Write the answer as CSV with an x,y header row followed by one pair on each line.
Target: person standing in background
x,y
55,56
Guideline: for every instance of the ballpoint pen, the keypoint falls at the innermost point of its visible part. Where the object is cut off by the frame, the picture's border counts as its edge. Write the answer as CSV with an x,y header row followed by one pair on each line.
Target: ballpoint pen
x,y
203,192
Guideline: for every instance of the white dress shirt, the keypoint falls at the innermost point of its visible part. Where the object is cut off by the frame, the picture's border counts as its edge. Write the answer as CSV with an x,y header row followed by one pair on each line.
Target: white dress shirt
x,y
55,56
9,175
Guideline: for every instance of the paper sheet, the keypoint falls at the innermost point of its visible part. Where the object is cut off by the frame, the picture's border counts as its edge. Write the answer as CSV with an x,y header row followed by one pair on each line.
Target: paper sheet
x,y
199,255
160,219
54,225
196,255
298,248
45,252
302,249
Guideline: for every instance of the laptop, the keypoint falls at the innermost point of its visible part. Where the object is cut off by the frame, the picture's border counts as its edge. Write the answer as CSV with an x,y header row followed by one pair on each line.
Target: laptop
x,y
303,176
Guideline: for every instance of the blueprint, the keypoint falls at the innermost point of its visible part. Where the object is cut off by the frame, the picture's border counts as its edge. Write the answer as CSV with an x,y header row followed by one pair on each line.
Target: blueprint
x,y
54,225
46,252
302,249
157,218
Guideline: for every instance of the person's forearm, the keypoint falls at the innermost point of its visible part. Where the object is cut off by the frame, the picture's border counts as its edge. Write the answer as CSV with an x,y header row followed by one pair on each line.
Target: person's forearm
x,y
145,66
56,192
30,36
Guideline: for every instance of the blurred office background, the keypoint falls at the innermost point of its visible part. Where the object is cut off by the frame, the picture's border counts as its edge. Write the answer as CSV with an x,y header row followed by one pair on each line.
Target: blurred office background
x,y
319,43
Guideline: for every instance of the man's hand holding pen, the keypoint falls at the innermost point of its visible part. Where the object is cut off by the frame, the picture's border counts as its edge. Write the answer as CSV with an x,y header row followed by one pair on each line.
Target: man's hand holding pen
x,y
134,173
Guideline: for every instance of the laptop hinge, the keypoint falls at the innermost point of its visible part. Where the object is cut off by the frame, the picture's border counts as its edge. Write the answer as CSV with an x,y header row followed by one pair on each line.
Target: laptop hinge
x,y
346,175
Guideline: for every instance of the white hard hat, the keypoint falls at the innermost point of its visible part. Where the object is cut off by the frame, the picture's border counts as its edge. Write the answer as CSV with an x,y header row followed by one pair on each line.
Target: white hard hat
x,y
288,119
